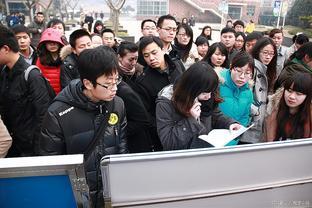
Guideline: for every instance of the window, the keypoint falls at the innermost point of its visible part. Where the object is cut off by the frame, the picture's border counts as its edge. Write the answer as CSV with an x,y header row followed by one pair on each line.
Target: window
x,y
251,10
234,12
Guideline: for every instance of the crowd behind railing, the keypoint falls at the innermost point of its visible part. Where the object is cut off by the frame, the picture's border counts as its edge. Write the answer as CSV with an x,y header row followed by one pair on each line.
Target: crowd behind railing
x,y
93,95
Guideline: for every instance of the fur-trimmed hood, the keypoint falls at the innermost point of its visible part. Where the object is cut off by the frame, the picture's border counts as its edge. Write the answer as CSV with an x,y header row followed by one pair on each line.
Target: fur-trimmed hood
x,y
274,101
65,51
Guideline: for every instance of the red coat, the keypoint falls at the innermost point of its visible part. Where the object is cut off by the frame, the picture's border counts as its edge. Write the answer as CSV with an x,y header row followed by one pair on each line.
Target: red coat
x,y
52,74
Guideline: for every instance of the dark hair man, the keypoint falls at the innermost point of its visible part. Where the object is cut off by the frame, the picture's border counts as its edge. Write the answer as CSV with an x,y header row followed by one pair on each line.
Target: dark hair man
x,y
167,30
36,28
251,40
228,39
148,27
86,117
277,36
28,52
239,26
108,37
160,70
23,103
79,40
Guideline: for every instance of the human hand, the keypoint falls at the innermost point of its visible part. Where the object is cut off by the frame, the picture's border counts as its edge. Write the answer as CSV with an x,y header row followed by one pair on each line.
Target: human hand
x,y
196,110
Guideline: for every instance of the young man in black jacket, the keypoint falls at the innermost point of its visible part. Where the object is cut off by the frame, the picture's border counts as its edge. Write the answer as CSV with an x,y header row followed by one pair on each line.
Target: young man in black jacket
x,y
28,52
79,40
23,103
83,108
160,70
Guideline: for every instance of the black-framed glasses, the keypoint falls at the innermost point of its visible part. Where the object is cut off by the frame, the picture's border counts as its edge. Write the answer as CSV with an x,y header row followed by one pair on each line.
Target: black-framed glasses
x,y
111,86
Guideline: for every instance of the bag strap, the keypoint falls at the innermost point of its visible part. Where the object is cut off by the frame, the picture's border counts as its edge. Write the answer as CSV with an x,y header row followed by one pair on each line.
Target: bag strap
x,y
28,70
100,131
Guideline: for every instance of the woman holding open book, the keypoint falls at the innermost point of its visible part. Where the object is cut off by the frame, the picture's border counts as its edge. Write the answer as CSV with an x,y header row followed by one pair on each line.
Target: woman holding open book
x,y
190,108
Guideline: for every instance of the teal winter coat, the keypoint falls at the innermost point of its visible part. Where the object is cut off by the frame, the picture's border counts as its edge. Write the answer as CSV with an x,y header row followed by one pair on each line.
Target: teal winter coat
x,y
236,100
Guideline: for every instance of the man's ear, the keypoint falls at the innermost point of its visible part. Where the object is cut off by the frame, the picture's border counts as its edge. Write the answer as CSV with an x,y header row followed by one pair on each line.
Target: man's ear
x,y
306,58
87,84
6,48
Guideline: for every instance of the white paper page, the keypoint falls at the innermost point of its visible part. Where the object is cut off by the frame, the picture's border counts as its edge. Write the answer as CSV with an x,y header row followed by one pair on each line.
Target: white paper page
x,y
220,137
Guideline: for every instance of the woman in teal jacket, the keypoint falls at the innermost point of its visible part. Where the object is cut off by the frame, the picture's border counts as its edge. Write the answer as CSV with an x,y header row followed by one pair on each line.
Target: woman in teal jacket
x,y
235,89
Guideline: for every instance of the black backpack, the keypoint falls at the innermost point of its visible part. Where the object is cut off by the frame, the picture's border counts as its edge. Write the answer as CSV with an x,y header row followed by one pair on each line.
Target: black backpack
x,y
48,86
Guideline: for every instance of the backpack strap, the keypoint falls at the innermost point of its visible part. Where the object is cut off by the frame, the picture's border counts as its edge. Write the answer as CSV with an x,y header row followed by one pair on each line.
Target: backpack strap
x,y
28,70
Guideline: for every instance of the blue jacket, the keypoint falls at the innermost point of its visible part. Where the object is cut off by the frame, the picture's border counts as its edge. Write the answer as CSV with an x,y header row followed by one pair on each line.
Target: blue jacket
x,y
236,100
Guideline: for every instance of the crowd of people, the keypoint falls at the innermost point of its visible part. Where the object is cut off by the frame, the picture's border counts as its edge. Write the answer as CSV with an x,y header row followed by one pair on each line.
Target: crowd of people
x,y
94,96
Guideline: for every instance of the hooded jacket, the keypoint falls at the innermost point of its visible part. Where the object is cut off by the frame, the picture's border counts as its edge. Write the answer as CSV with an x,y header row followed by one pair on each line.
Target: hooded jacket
x,y
70,126
69,67
51,72
178,132
292,67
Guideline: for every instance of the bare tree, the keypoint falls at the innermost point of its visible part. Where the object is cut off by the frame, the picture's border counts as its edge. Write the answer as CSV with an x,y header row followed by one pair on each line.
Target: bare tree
x,y
115,7
72,4
32,3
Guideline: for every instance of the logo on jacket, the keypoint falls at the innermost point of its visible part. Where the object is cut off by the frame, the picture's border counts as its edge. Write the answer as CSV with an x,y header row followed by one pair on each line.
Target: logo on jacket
x,y
66,111
113,119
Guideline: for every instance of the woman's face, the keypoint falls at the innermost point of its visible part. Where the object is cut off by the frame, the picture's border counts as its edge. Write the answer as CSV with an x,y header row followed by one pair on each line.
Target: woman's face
x,y
182,37
52,47
99,27
217,58
239,42
241,75
207,31
204,96
266,54
293,98
202,49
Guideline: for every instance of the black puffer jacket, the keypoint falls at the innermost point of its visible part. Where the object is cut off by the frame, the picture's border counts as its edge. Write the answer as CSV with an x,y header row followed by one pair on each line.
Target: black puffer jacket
x,y
69,67
23,106
69,128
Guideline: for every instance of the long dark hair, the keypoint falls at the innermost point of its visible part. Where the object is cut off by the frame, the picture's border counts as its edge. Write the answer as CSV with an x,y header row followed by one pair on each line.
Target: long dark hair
x,y
45,56
203,32
184,51
212,50
200,77
299,82
271,67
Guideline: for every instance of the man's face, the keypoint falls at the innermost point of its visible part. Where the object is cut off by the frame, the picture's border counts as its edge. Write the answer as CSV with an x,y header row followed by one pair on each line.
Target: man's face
x,y
23,41
105,88
149,29
239,28
108,39
40,18
82,43
167,31
228,39
129,60
278,39
153,55
249,45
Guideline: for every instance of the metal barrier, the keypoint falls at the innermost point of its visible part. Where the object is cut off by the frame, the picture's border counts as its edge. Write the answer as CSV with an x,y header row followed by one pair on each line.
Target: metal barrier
x,y
266,175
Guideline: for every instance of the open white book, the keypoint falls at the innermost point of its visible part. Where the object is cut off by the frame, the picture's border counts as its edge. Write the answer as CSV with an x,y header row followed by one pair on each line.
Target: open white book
x,y
221,137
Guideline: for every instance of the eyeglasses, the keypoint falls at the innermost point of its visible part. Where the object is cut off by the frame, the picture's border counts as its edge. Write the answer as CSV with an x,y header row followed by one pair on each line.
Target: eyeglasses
x,y
170,29
149,28
266,53
111,86
247,74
